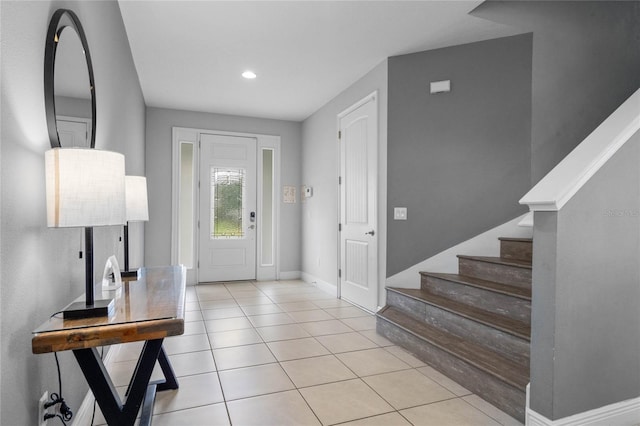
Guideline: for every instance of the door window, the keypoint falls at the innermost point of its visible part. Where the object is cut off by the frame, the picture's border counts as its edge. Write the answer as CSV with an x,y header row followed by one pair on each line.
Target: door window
x,y
228,193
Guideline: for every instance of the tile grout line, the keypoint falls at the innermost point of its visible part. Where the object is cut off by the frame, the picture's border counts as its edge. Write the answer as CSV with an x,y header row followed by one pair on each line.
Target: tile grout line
x,y
255,329
215,364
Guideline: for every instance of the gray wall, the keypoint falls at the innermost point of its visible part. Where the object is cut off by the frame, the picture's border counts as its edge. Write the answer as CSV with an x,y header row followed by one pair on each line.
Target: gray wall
x,y
39,266
73,107
320,166
158,159
586,62
459,161
585,342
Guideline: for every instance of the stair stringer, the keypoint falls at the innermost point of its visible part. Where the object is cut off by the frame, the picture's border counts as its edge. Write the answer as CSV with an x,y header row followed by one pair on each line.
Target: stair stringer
x,y
485,244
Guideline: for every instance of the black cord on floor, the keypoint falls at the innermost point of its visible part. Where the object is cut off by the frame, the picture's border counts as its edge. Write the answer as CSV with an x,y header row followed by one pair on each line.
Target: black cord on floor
x,y
65,413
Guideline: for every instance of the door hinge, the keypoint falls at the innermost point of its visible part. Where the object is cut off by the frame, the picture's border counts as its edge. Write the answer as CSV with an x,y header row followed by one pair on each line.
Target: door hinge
x,y
339,273
198,264
339,134
339,227
339,180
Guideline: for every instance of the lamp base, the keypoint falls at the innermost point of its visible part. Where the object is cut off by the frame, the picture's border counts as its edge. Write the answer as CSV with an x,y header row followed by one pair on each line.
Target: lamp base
x,y
100,308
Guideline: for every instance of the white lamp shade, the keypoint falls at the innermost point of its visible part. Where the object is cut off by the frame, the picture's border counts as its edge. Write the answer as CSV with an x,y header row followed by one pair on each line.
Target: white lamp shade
x,y
85,187
137,204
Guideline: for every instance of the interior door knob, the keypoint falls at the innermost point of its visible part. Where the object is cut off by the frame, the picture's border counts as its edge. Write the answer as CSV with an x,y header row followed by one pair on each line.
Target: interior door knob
x,y
372,233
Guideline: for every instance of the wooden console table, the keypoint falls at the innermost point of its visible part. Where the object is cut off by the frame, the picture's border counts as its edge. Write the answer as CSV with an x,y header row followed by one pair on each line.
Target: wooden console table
x,y
147,309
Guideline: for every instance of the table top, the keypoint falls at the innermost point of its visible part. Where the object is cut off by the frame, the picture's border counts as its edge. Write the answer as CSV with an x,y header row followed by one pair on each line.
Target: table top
x,y
151,307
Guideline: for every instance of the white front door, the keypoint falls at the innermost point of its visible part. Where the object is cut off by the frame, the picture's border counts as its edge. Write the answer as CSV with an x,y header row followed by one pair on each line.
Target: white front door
x,y
227,249
358,200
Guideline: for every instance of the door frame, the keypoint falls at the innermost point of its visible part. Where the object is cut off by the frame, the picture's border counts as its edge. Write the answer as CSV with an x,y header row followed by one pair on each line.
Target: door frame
x,y
264,271
86,121
373,96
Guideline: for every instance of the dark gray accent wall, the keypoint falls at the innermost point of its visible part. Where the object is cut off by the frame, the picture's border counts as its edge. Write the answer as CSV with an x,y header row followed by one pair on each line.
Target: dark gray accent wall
x,y
40,269
458,161
586,62
585,343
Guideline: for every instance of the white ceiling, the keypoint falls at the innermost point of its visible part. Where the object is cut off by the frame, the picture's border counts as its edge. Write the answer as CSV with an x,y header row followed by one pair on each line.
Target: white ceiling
x,y
190,54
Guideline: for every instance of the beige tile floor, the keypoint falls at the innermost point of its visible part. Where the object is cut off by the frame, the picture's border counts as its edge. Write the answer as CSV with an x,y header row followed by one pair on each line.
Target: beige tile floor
x,y
286,353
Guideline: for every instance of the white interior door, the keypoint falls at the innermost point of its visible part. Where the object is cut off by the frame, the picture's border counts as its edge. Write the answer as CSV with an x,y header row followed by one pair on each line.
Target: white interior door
x,y
73,132
358,191
227,248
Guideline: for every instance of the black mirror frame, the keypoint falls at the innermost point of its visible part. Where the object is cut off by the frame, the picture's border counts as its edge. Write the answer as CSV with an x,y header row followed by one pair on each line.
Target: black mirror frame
x,y
64,18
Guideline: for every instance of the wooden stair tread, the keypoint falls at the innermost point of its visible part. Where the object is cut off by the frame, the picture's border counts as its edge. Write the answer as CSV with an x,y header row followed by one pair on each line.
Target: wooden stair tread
x,y
508,325
484,359
507,261
516,239
509,290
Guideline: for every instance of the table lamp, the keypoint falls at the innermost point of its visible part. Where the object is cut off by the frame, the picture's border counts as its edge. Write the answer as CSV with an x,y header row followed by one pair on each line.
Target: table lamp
x,y
85,188
137,211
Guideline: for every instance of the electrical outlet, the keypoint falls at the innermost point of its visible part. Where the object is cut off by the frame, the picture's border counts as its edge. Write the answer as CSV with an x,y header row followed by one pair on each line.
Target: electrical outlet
x,y
41,410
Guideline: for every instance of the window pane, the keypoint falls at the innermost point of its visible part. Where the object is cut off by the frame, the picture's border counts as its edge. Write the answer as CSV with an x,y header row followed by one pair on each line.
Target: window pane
x,y
185,234
267,207
227,202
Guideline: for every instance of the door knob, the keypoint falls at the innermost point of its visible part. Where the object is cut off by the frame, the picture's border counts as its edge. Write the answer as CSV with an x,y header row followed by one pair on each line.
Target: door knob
x,y
372,233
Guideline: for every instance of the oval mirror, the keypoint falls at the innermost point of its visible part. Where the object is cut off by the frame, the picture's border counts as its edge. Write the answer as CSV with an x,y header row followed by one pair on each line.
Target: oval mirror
x,y
68,83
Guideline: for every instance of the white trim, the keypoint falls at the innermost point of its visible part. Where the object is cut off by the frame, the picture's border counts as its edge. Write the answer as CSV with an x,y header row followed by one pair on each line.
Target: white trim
x,y
624,413
370,97
561,183
325,286
84,413
290,275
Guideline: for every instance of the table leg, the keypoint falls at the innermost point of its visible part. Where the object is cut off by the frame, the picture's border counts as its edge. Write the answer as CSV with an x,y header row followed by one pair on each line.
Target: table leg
x,y
170,381
114,411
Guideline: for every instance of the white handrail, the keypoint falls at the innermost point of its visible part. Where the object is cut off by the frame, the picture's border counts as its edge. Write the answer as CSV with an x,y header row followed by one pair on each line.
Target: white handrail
x,y
561,183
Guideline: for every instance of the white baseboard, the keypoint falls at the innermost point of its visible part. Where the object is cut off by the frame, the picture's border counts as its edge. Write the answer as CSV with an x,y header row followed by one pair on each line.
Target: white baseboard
x,y
325,286
290,275
84,413
624,413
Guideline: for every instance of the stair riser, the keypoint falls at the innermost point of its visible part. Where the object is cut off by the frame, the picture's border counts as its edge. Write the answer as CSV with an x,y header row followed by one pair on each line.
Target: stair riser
x,y
522,250
504,274
412,307
504,396
509,306
510,346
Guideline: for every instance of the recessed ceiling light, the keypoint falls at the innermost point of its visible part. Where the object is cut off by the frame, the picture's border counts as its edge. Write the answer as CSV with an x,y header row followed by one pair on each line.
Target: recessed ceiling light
x,y
250,75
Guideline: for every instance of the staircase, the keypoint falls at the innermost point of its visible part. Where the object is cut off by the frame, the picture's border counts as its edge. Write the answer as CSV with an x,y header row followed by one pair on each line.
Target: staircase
x,y
473,326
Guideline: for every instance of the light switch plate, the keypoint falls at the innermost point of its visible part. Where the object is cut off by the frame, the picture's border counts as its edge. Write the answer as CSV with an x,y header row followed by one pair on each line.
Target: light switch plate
x,y
399,213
